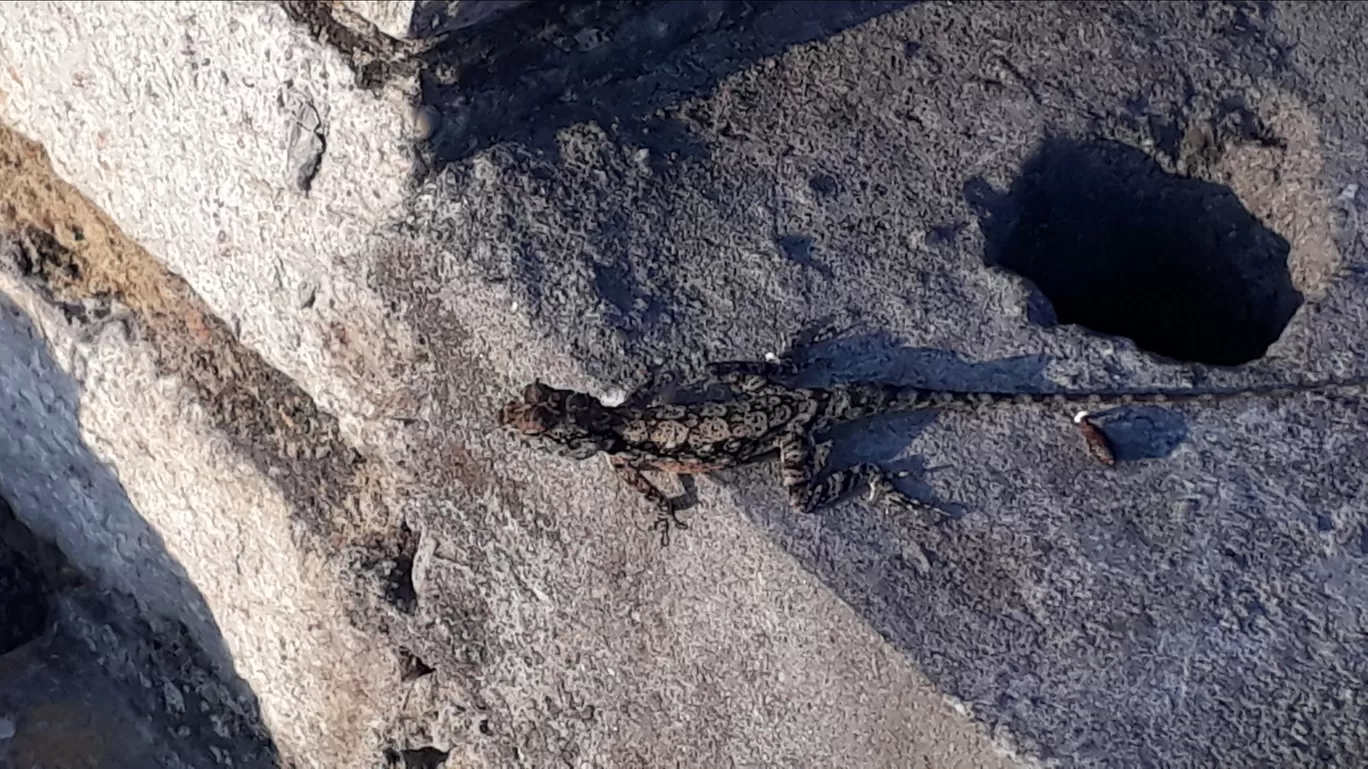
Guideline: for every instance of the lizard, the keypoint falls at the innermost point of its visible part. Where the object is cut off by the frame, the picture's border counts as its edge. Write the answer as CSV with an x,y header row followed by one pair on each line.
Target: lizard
x,y
762,417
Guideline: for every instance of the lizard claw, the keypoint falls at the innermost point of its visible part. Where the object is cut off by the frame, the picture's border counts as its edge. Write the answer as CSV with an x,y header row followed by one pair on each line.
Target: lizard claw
x,y
875,489
666,521
883,490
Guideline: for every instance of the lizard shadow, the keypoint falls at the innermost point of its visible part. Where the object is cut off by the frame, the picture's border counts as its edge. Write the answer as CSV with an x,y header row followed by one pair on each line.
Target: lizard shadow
x,y
903,571
1135,431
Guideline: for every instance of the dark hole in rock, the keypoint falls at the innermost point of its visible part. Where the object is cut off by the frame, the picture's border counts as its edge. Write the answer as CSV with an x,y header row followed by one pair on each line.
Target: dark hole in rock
x,y
415,758
824,185
23,601
1120,246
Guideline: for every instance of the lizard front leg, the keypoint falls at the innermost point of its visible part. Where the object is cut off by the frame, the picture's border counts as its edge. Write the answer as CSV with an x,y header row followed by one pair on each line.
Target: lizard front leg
x,y
800,462
749,377
666,516
654,388
754,376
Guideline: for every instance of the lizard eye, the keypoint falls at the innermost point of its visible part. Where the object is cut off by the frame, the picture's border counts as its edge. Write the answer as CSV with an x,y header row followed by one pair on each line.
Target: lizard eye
x,y
581,401
536,393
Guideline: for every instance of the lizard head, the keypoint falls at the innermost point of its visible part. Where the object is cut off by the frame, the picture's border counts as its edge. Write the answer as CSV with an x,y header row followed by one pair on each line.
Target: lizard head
x,y
566,422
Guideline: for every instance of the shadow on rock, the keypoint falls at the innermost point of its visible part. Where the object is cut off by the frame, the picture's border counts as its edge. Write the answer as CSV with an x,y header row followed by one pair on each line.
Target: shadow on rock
x,y
1090,597
1135,432
882,440
1119,246
86,676
546,66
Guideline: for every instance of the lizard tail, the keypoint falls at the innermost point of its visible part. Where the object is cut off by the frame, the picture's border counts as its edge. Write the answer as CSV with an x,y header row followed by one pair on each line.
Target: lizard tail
x,y
913,398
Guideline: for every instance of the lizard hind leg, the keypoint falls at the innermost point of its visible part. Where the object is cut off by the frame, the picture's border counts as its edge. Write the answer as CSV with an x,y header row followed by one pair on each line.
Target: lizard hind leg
x,y
667,517
801,462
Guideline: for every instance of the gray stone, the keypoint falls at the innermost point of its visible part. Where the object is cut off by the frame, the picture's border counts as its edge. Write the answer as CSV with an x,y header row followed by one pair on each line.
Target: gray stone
x,y
1189,607
671,183
268,455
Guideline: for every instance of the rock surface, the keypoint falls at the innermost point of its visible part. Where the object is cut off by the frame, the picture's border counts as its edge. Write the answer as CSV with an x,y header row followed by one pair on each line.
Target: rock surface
x,y
290,426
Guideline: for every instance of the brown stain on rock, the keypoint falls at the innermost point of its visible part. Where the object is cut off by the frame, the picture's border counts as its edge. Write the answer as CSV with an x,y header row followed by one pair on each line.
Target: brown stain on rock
x,y
79,258
1280,182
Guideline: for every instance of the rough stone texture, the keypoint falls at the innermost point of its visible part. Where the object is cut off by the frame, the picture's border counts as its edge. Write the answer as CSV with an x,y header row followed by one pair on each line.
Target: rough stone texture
x,y
391,17
272,271
404,19
556,668
146,497
1190,608
194,461
657,184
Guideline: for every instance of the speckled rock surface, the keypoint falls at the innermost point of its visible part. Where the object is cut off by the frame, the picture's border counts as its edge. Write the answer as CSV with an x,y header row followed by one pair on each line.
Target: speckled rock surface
x,y
1192,607
84,682
628,186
